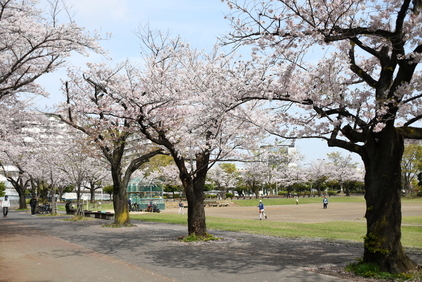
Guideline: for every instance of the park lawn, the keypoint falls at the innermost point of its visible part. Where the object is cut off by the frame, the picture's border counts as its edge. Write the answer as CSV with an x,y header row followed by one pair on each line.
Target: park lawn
x,y
106,205
292,201
412,219
306,200
285,201
411,236
412,200
335,230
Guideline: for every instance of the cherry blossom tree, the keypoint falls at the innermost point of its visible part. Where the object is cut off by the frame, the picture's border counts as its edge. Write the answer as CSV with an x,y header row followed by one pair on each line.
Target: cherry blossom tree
x,y
254,176
33,42
344,170
11,154
20,181
177,103
161,168
279,159
350,72
200,123
287,171
97,176
292,177
89,108
46,141
46,177
224,176
81,165
17,150
318,172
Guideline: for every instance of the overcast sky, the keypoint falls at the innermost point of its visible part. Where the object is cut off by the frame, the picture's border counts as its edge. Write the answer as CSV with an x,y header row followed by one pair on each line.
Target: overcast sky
x,y
198,22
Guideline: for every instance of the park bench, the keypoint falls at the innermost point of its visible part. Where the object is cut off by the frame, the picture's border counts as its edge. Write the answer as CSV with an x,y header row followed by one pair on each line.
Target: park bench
x,y
99,214
212,204
107,215
71,211
223,204
89,213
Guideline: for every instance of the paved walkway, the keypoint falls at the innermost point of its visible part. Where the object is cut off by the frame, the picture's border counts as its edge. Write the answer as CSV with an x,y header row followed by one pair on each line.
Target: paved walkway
x,y
50,249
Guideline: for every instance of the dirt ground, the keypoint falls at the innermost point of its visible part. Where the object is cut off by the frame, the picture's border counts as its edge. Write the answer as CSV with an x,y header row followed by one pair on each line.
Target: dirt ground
x,y
309,213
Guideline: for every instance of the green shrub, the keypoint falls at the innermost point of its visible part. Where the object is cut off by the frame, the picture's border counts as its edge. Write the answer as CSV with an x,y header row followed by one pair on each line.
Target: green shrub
x,y
194,238
371,270
229,195
332,192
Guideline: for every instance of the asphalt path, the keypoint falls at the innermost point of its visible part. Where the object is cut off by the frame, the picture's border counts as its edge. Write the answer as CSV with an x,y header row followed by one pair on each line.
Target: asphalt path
x,y
44,248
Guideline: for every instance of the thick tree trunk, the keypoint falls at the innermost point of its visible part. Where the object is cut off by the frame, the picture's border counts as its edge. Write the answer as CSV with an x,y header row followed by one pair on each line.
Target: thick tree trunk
x,y
120,181
194,190
20,188
121,208
22,202
196,211
92,193
382,244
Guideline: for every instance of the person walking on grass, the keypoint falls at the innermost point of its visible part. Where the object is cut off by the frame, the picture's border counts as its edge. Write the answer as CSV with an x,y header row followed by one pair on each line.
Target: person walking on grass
x,y
261,210
5,205
181,208
325,202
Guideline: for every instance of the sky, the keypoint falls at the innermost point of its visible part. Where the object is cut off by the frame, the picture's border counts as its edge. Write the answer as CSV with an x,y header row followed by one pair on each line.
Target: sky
x,y
198,22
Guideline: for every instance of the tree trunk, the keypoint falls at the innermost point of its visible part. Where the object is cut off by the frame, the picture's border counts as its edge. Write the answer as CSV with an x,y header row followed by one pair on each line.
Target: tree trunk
x,y
121,208
92,193
20,188
196,211
79,202
194,190
53,202
22,203
383,185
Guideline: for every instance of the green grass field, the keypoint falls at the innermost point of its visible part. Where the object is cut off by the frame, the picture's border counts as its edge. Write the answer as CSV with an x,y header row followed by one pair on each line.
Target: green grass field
x,y
334,230
291,201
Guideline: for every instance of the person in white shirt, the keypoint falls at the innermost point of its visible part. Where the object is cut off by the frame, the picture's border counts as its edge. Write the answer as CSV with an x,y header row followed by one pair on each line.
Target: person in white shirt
x,y
5,205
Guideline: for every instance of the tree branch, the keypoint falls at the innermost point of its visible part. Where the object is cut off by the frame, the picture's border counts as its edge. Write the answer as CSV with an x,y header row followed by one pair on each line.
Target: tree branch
x,y
410,132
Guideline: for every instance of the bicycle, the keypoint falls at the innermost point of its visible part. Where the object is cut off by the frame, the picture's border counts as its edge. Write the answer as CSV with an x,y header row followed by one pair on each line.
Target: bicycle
x,y
44,209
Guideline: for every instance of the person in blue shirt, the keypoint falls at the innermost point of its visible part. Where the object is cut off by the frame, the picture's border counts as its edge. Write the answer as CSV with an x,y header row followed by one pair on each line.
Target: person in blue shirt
x,y
261,210
325,202
181,210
